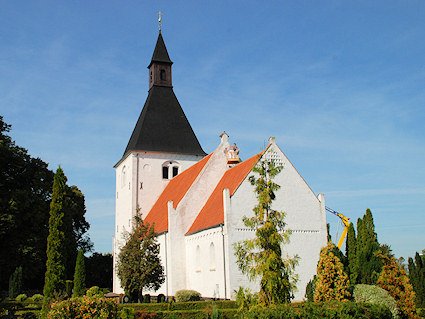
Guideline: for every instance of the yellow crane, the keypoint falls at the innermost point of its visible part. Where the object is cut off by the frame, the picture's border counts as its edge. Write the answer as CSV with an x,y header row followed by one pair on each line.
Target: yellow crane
x,y
345,221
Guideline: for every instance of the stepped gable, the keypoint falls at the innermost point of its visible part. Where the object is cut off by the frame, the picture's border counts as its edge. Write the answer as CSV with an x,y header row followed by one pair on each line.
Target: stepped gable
x,y
175,191
212,214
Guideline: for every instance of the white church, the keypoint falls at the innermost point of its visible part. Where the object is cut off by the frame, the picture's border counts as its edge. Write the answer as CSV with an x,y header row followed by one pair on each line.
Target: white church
x,y
196,201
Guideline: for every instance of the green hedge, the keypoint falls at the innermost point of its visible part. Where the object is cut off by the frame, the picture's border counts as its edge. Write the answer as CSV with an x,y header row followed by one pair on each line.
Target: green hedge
x,y
376,295
191,305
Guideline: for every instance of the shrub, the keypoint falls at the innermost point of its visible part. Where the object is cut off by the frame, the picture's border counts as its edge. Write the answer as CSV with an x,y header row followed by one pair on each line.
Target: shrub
x,y
147,298
376,295
21,297
37,298
127,313
68,287
94,291
187,295
15,283
160,298
83,307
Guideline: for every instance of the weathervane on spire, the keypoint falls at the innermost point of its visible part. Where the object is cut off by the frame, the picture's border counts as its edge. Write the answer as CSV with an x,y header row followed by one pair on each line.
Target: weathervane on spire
x,y
159,20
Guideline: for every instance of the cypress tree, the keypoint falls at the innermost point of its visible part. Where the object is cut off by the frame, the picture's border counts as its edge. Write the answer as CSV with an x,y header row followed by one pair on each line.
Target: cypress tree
x,y
79,276
393,279
15,283
369,265
351,253
332,282
55,265
417,279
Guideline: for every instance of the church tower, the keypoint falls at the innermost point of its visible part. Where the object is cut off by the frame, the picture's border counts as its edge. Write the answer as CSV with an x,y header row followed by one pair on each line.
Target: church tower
x,y
161,146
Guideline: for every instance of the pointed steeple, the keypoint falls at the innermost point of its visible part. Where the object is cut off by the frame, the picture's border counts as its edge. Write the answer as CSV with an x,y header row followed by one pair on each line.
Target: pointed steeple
x,y
160,54
162,126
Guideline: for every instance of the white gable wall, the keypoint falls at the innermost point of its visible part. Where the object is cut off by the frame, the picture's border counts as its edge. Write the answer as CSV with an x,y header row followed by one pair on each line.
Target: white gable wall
x,y
304,215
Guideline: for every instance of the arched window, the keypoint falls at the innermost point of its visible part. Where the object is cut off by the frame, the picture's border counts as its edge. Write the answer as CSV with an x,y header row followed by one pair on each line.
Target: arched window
x,y
175,171
165,172
162,75
212,257
170,169
198,259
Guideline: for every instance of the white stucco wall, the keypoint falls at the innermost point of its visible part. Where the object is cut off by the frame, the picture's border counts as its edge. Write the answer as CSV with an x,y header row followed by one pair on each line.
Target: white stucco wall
x,y
305,216
139,182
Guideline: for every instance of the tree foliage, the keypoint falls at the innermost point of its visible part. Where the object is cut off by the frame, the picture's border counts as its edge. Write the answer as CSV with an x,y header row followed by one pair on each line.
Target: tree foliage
x,y
15,283
139,266
79,276
393,279
99,270
351,254
261,256
332,282
417,278
56,250
25,195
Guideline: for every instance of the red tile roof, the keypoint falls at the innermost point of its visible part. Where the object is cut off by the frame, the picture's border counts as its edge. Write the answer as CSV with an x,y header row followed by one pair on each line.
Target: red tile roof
x,y
212,213
175,191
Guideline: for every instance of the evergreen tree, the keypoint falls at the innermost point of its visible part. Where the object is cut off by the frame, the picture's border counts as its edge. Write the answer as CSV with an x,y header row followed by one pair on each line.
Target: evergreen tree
x,y
417,279
351,254
55,265
369,266
332,282
79,276
15,283
393,279
139,266
261,256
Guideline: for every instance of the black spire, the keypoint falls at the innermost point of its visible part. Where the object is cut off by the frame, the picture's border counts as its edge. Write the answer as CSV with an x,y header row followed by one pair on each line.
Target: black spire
x,y
160,53
162,126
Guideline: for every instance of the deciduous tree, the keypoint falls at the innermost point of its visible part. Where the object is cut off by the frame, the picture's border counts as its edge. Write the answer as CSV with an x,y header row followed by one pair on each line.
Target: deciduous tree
x,y
261,256
139,266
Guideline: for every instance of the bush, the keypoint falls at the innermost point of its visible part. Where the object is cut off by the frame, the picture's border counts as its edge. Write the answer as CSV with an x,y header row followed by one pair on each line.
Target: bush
x,y
37,298
94,291
376,295
21,298
127,313
147,298
68,287
160,298
83,307
187,295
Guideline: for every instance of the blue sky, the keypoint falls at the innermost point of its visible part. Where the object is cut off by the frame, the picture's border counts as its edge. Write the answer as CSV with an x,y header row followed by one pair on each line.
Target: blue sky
x,y
340,84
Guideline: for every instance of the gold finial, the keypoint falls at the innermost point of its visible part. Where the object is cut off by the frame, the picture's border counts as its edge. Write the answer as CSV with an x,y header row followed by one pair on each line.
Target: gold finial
x,y
159,20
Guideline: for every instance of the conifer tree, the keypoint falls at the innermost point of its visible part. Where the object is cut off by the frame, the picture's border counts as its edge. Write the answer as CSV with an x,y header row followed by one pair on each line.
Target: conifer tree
x,y
332,282
79,276
261,256
417,279
351,253
369,266
393,279
15,283
139,266
55,265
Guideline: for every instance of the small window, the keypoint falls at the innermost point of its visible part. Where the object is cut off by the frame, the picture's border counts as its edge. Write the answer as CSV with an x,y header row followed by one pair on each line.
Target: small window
x,y
162,75
175,171
212,257
198,259
165,172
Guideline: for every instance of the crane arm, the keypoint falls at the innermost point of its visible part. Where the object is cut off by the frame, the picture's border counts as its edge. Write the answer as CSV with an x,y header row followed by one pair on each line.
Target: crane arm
x,y
345,220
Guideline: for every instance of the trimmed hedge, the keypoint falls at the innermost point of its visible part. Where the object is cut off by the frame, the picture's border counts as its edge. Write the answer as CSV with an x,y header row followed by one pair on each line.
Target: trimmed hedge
x,y
187,295
376,295
191,305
